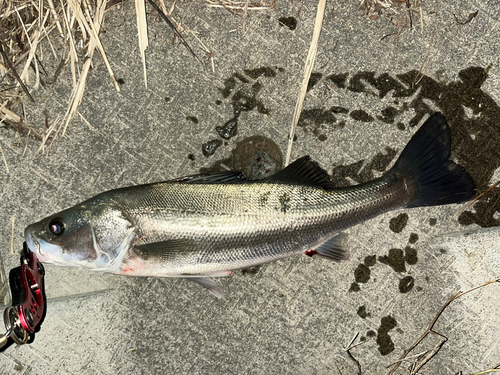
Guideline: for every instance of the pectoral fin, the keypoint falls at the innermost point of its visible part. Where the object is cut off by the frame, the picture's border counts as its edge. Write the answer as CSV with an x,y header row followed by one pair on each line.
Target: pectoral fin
x,y
333,249
209,284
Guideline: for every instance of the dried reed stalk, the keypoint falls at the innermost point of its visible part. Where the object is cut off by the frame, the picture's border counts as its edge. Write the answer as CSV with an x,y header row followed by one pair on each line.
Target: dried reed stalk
x,y
311,58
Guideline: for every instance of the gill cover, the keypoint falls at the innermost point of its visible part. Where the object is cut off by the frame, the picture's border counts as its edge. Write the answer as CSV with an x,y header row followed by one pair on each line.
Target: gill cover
x,y
112,235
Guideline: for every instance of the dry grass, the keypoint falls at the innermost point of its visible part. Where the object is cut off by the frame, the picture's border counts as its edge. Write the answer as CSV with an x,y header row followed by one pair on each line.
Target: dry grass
x,y
308,67
75,25
404,15
425,357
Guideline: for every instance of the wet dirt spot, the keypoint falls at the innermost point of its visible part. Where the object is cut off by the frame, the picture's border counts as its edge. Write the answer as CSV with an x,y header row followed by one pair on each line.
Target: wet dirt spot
x,y
338,80
384,341
413,238
410,255
395,259
313,80
263,71
388,115
354,287
193,119
242,89
257,157
398,223
229,129
339,110
406,284
362,312
370,260
209,148
251,270
290,22
317,120
362,274
361,115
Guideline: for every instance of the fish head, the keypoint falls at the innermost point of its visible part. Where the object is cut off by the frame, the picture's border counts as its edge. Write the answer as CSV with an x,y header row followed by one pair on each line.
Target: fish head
x,y
94,236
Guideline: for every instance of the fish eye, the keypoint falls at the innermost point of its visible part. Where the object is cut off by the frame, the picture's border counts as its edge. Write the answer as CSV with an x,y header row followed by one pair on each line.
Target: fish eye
x,y
56,226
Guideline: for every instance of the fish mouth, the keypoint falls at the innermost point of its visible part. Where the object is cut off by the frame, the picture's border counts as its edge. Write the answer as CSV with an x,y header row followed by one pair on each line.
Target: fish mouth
x,y
31,244
34,244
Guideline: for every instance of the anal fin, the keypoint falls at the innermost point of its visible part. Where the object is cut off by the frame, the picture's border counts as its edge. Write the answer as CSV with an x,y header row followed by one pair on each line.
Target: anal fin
x,y
333,249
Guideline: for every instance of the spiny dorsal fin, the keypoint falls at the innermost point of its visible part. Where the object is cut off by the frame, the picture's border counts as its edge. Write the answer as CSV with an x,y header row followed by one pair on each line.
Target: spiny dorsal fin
x,y
303,171
208,178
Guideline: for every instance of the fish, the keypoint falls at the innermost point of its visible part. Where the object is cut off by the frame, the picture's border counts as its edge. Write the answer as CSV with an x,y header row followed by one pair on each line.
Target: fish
x,y
209,225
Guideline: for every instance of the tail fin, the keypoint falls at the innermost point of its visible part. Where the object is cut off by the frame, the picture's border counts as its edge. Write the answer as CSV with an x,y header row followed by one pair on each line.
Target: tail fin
x,y
436,179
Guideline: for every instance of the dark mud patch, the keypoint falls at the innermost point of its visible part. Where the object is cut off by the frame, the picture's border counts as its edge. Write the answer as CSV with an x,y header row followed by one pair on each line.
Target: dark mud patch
x,y
263,71
370,260
290,22
338,80
410,255
316,121
362,274
251,270
384,341
209,148
395,259
398,223
354,287
362,312
257,157
242,89
313,80
406,284
229,129
361,115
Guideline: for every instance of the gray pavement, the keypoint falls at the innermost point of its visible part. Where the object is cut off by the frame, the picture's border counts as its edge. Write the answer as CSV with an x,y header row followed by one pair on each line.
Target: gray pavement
x,y
298,315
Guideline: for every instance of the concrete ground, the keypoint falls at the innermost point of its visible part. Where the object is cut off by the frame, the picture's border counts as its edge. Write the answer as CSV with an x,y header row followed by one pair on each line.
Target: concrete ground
x,y
373,84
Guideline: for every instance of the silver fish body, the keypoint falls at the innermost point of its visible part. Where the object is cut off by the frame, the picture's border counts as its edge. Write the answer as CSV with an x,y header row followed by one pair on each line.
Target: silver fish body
x,y
210,225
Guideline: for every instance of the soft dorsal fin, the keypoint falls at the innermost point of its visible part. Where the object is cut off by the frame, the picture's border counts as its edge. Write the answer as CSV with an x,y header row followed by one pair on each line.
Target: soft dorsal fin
x,y
303,171
208,178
